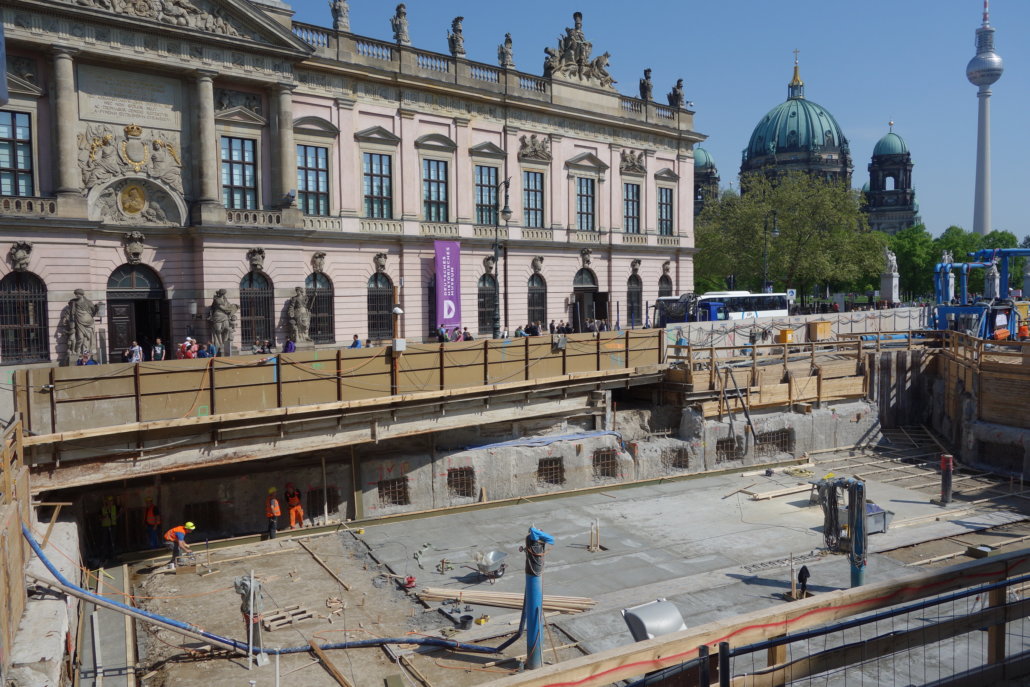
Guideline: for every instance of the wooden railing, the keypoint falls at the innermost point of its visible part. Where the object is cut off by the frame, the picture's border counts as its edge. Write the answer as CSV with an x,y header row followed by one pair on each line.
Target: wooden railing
x,y
68,399
14,510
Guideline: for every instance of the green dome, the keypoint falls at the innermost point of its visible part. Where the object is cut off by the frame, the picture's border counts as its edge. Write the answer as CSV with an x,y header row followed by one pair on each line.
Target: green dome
x,y
890,144
797,125
702,159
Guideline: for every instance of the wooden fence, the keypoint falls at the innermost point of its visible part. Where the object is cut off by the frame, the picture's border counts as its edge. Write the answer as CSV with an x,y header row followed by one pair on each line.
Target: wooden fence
x,y
998,373
63,399
14,509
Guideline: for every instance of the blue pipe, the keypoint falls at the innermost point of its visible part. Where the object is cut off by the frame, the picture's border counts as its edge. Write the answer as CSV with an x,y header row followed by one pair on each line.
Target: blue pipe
x,y
964,277
242,646
533,602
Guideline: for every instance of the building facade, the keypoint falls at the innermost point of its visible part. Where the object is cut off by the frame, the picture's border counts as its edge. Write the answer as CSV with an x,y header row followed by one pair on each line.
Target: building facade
x,y
890,196
211,168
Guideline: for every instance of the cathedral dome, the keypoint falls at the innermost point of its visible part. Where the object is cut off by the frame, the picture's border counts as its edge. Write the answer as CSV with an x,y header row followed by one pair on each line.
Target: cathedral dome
x,y
797,125
798,135
703,159
890,144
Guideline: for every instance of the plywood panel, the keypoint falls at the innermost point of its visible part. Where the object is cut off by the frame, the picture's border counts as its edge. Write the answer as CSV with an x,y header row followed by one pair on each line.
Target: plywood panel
x,y
804,388
1005,401
843,368
845,387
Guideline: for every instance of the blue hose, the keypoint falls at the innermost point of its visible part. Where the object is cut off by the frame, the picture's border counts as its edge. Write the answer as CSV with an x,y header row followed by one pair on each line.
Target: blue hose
x,y
242,646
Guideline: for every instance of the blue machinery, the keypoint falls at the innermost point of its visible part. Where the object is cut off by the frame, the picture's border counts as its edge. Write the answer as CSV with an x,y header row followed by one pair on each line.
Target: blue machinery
x,y
858,536
984,318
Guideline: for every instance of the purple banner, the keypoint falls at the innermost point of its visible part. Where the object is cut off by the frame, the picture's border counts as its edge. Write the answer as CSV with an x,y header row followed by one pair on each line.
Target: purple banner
x,y
448,284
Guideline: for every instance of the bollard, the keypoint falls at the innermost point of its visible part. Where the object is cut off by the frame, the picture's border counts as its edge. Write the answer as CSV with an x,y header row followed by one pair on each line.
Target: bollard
x,y
947,471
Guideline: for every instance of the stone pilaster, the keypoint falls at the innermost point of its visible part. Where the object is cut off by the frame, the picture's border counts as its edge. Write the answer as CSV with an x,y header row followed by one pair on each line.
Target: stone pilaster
x,y
207,162
286,156
66,109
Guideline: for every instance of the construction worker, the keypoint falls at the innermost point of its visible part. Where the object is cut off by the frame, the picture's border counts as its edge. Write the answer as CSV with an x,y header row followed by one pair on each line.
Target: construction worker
x,y
108,520
152,519
293,502
272,512
1023,333
175,541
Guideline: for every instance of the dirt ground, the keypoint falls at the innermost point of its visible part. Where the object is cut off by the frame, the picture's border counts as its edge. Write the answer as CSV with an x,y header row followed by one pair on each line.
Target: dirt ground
x,y
375,607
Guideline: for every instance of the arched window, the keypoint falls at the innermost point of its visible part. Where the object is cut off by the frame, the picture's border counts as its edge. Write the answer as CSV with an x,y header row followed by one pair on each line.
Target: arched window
x,y
664,286
380,306
634,301
585,278
23,319
134,282
257,303
487,300
320,296
538,300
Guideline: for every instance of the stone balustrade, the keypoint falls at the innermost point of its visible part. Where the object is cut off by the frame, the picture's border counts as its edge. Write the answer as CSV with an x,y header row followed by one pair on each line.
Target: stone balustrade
x,y
668,240
634,239
251,218
595,237
403,59
537,234
22,206
381,226
320,223
438,230
482,231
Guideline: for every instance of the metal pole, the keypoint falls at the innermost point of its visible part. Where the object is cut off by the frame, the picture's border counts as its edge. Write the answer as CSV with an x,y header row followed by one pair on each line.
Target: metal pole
x,y
765,258
250,625
857,530
724,664
277,670
947,470
704,677
506,213
325,495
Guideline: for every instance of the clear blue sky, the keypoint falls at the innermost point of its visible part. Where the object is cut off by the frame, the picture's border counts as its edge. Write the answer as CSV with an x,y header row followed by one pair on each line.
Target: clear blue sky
x,y
867,62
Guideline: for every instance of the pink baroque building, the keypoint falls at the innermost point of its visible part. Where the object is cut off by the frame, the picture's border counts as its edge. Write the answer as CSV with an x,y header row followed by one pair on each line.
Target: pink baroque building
x,y
210,168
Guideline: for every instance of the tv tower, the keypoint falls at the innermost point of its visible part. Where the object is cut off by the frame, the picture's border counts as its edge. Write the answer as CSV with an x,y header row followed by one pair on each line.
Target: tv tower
x,y
982,71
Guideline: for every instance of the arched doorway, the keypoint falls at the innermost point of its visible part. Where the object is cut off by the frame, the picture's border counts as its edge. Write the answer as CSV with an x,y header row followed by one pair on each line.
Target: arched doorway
x,y
588,301
137,310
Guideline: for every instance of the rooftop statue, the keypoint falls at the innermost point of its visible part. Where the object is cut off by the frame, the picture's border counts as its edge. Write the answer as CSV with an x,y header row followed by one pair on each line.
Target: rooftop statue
x,y
455,39
504,53
573,57
399,24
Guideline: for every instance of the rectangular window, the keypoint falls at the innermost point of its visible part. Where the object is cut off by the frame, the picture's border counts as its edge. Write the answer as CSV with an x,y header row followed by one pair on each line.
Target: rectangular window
x,y
378,186
533,199
15,154
665,223
434,190
313,180
486,195
585,202
631,205
239,173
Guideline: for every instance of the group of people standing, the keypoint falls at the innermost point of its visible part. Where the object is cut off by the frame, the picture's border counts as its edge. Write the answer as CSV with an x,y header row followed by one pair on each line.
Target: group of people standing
x,y
273,510
459,333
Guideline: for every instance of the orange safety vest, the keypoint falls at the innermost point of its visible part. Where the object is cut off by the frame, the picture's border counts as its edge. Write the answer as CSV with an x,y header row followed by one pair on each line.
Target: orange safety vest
x,y
272,507
1024,331
152,518
170,535
293,497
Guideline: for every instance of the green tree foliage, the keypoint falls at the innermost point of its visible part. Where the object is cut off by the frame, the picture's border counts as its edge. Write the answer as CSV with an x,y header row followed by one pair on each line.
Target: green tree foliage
x,y
917,254
823,236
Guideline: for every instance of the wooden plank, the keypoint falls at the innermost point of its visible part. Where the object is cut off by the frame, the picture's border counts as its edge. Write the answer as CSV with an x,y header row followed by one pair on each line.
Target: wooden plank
x,y
325,566
764,495
328,665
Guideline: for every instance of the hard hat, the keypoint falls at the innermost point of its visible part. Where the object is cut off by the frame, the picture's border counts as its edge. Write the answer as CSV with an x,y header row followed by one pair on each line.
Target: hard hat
x,y
271,490
190,526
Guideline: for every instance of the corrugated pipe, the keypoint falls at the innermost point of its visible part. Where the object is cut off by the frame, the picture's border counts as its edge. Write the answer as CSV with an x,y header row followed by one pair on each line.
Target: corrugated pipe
x,y
193,631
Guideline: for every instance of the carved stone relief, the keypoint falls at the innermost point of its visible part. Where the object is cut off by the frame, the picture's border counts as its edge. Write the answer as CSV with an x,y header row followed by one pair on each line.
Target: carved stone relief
x,y
585,256
19,255
535,148
380,262
318,262
135,200
133,244
489,264
194,14
104,155
226,99
256,259
23,68
632,162
537,264
634,265
666,266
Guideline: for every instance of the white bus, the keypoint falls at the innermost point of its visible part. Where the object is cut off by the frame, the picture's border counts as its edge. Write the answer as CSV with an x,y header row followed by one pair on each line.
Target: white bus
x,y
743,304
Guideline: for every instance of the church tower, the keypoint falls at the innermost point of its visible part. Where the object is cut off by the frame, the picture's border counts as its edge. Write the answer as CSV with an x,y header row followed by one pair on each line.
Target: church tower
x,y
891,198
706,179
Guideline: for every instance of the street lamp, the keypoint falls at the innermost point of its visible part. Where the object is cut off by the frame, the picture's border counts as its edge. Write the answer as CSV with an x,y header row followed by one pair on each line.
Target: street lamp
x,y
775,233
505,214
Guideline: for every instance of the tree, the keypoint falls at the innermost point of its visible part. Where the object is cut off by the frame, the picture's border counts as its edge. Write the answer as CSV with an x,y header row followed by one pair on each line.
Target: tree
x,y
823,237
917,256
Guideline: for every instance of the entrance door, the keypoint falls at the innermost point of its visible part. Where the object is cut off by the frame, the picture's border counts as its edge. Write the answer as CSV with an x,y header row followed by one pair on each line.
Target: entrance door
x,y
137,310
585,299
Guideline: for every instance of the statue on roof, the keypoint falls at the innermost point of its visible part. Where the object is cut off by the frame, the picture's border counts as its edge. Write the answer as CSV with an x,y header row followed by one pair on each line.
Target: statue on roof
x,y
646,86
341,14
455,39
676,96
399,24
573,57
504,53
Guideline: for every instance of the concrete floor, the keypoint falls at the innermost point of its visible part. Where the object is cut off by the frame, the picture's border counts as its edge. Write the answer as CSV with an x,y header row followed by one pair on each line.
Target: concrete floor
x,y
713,554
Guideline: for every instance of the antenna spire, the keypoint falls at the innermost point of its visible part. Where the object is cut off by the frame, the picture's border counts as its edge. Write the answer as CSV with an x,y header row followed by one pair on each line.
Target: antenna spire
x,y
891,125
987,13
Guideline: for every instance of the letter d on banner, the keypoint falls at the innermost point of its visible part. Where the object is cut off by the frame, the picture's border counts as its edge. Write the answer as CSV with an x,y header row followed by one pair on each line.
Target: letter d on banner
x,y
448,283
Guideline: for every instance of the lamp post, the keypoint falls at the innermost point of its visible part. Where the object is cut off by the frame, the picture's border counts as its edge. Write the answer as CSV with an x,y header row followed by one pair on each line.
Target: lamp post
x,y
766,286
505,214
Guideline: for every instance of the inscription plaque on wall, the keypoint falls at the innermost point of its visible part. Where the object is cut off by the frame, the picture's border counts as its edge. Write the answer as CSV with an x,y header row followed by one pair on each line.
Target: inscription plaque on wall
x,y
120,97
